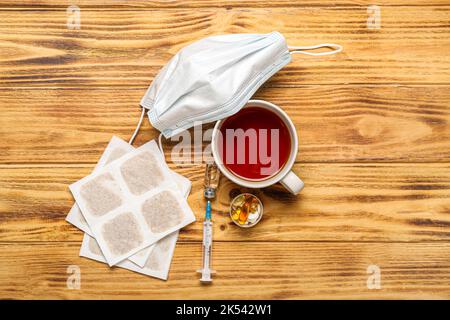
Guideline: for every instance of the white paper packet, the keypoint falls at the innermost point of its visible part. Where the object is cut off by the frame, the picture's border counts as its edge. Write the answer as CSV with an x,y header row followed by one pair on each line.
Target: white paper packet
x,y
160,258
122,202
114,150
157,265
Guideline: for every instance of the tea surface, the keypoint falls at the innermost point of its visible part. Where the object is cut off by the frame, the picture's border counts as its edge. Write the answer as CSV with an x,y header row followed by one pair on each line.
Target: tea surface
x,y
256,143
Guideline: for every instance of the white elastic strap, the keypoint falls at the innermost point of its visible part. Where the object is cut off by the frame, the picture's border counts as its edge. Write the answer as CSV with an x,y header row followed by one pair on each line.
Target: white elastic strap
x,y
161,147
160,143
138,127
300,50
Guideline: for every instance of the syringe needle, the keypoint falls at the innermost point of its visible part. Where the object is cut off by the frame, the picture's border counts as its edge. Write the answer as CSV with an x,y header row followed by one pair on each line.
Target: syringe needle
x,y
207,246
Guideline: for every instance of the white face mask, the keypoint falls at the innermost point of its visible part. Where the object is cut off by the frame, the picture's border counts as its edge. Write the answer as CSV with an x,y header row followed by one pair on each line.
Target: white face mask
x,y
214,78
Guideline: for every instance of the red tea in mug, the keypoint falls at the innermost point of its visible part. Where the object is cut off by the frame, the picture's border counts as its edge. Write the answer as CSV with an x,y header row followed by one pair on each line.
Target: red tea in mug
x,y
255,143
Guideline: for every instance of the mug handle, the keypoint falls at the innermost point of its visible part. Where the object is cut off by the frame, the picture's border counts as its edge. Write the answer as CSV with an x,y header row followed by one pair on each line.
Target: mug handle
x,y
292,183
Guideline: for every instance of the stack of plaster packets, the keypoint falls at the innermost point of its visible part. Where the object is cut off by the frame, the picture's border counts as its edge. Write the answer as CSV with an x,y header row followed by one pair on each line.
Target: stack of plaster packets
x,y
131,208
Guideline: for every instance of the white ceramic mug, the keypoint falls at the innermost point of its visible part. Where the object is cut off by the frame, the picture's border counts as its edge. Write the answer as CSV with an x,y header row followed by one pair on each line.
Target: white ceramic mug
x,y
285,176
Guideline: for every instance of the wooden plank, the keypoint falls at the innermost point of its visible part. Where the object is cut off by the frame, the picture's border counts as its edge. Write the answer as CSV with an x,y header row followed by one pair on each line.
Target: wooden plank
x,y
339,123
128,48
341,202
155,4
244,271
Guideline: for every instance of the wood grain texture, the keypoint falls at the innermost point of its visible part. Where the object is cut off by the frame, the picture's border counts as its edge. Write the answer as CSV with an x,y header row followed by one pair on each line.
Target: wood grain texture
x,y
334,124
374,149
245,270
341,202
128,48
166,4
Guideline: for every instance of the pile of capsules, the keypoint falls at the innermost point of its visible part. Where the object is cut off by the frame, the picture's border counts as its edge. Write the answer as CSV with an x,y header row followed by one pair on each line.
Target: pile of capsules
x,y
246,210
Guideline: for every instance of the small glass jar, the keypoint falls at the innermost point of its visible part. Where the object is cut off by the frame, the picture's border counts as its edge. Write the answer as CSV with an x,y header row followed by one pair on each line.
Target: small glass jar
x,y
246,210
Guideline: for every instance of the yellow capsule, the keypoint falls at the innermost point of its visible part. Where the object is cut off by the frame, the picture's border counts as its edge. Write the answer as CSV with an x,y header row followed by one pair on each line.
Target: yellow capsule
x,y
239,201
235,214
244,213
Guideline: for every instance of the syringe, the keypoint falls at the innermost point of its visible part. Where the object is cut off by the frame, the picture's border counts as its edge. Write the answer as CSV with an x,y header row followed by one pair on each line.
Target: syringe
x,y
207,246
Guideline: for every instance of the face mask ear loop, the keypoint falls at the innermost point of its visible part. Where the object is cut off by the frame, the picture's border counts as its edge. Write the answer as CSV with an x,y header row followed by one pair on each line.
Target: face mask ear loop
x,y
300,50
138,127
160,143
161,147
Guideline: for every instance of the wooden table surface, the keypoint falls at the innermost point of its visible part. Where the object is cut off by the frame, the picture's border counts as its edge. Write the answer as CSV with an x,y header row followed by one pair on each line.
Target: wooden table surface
x,y
374,152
